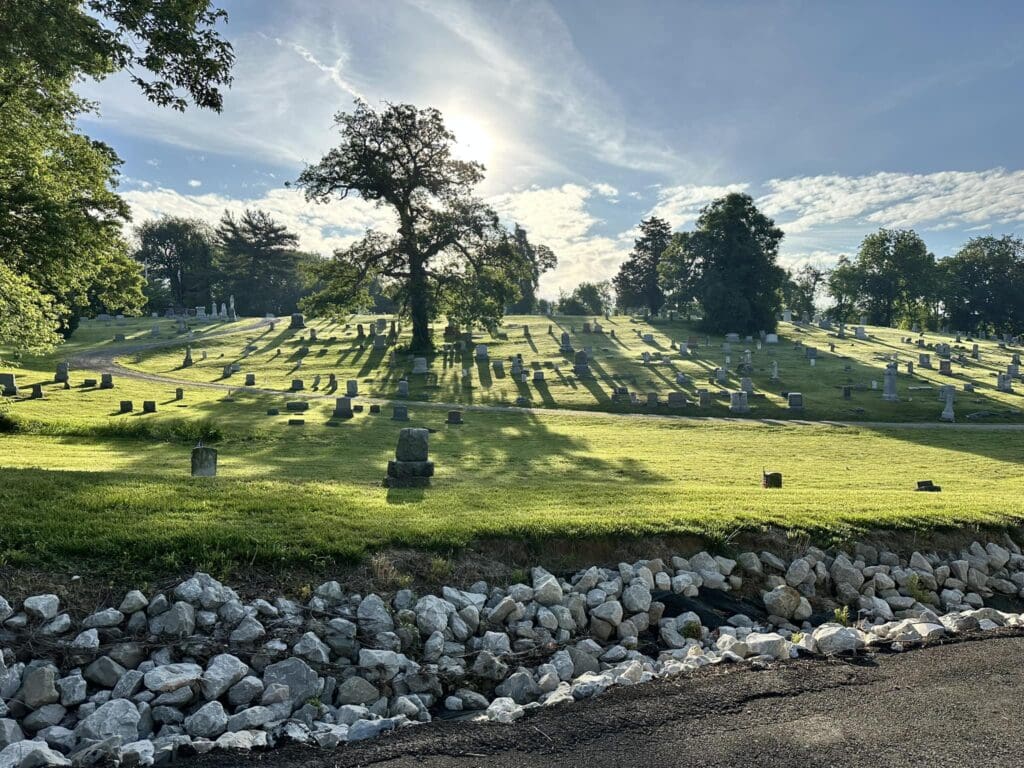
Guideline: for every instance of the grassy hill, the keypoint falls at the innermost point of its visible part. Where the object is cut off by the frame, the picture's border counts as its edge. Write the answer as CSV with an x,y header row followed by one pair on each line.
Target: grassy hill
x,y
84,484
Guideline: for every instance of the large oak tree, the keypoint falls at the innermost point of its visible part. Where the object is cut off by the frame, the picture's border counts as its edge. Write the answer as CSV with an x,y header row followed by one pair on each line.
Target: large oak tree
x,y
448,252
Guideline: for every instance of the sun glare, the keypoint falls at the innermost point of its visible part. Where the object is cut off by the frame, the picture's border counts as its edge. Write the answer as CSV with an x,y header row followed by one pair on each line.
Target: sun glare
x,y
472,139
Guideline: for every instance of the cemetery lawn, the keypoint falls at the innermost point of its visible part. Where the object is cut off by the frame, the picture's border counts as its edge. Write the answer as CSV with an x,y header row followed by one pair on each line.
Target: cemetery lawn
x,y
80,495
616,362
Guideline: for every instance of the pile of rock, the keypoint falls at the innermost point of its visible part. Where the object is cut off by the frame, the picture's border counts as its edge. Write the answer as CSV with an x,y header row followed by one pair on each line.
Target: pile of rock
x,y
199,669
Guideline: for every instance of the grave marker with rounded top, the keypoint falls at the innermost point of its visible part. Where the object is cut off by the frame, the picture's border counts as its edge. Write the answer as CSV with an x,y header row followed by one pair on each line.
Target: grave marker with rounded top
x,y
352,387
298,322
411,467
204,461
738,402
62,376
889,384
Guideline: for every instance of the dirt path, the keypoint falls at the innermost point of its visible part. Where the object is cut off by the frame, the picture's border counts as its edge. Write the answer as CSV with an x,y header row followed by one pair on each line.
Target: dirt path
x,y
105,361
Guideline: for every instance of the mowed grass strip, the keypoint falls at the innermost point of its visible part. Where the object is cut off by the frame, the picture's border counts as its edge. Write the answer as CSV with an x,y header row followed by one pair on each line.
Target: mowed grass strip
x,y
294,495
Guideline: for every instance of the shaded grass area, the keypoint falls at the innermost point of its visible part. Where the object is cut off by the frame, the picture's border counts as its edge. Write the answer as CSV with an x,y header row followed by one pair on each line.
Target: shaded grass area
x,y
313,493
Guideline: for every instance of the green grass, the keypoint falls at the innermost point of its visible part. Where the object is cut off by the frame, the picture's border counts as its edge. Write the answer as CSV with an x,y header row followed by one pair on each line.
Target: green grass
x,y
617,362
84,487
314,492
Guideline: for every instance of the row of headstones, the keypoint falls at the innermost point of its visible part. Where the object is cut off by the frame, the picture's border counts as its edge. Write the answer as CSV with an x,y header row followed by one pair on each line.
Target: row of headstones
x,y
9,382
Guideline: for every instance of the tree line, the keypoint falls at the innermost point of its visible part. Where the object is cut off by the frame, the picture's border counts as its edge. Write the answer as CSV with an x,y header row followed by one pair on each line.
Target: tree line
x,y
188,263
725,271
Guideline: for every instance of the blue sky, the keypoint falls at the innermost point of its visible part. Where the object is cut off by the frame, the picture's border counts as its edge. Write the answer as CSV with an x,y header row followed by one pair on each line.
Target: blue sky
x,y
838,118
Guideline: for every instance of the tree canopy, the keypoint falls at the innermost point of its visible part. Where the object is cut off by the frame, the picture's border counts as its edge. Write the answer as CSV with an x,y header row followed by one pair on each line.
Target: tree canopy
x,y
448,252
539,259
728,265
982,285
637,284
61,245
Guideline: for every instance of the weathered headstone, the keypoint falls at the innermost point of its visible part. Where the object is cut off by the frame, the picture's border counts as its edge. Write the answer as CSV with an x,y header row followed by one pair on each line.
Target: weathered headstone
x,y
411,467
454,418
924,361
675,400
298,385
419,365
403,388
106,381
36,393
62,375
250,379
787,316
126,406
947,411
771,338
946,367
400,413
1004,383
204,461
565,346
860,332
149,406
179,394
298,322
342,408
747,385
538,376
795,401
889,385
187,362
738,402
352,387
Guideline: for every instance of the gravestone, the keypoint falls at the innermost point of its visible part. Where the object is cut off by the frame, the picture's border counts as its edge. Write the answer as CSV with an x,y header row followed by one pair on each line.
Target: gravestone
x,y
771,338
374,409
787,316
721,375
889,384
228,370
454,418
499,367
106,381
126,406
648,338
149,406
945,367
703,398
1013,370
910,367
565,346
675,400
581,365
975,352
296,406
411,467
342,408
155,331
538,376
419,365
924,361
204,461
1004,383
738,402
795,401
187,362
179,394
298,322
646,357
400,413
682,379
945,390
842,330
88,383
403,388
860,332
352,387
481,352
36,392
947,411
747,385
118,337
732,338
652,399
847,392
811,353
62,376
380,342
298,385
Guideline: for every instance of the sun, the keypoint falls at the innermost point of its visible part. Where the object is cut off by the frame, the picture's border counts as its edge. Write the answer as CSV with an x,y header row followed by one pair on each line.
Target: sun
x,y
473,141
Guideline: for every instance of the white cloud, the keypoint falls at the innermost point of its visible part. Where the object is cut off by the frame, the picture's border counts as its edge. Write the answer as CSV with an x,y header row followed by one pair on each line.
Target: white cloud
x,y
929,201
680,205
559,218
194,183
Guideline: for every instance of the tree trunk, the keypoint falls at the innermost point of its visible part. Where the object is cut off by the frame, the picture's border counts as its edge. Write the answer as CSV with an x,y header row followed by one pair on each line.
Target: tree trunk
x,y
419,307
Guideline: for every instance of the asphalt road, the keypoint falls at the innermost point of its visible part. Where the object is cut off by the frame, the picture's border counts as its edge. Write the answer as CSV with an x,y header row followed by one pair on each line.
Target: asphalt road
x,y
951,705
